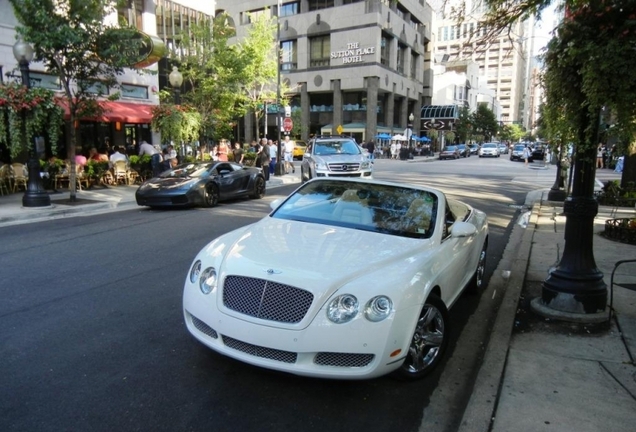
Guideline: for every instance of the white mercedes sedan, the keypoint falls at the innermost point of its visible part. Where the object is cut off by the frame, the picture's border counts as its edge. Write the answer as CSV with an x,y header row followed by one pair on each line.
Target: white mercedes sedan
x,y
344,279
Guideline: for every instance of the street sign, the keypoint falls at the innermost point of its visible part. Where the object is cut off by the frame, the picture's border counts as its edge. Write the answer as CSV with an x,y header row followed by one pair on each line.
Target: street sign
x,y
288,124
339,129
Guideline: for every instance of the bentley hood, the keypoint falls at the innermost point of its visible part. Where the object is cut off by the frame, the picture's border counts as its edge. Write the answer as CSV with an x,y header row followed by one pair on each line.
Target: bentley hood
x,y
318,258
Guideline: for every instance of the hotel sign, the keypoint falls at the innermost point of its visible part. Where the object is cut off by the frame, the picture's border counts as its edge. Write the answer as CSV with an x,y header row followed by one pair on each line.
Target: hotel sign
x,y
353,53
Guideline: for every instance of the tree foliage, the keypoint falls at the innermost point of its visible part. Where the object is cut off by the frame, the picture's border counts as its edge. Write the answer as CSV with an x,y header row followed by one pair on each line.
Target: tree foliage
x,y
511,132
484,121
213,70
73,42
26,113
463,125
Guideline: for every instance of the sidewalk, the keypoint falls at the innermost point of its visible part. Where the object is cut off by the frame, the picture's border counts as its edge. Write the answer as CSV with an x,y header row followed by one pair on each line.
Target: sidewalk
x,y
544,375
97,200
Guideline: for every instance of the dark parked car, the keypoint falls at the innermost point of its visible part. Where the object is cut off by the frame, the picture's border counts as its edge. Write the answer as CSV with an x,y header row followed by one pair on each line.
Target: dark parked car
x,y
464,150
474,149
201,184
449,152
538,152
517,152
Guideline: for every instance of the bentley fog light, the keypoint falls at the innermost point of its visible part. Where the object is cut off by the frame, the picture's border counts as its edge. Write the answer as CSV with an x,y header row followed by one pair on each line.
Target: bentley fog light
x,y
342,309
378,308
207,281
195,271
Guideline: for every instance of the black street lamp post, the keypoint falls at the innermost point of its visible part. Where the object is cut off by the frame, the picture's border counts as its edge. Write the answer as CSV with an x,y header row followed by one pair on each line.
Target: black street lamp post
x,y
35,195
410,126
279,168
176,79
556,193
576,284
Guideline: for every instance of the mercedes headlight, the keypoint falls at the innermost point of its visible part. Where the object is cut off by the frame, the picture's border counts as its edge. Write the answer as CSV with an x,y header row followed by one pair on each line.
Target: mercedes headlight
x,y
365,165
321,165
195,271
378,308
342,309
207,281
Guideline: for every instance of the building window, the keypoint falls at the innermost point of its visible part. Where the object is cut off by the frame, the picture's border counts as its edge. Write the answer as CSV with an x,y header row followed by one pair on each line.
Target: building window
x,y
401,54
288,59
173,20
460,93
414,61
385,50
319,4
253,15
319,51
288,9
131,12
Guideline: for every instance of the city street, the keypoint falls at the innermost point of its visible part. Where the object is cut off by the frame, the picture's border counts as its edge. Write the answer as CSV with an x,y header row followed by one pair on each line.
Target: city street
x,y
93,336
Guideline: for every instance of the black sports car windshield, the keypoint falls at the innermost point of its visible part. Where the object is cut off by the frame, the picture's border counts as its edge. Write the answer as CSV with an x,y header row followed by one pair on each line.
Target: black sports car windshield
x,y
187,170
387,209
336,147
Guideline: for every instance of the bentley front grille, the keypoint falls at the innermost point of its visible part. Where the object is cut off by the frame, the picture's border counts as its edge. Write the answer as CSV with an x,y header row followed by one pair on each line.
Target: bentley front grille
x,y
344,167
259,351
204,328
266,300
343,359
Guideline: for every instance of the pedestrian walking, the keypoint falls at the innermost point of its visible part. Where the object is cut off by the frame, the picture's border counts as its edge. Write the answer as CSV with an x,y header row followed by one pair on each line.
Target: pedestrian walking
x,y
526,154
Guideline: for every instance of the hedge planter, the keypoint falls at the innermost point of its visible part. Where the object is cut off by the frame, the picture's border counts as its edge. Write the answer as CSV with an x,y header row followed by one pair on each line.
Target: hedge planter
x,y
623,230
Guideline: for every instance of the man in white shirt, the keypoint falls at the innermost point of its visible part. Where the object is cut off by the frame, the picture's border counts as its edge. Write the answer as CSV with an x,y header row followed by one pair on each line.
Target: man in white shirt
x,y
273,154
155,161
288,147
117,156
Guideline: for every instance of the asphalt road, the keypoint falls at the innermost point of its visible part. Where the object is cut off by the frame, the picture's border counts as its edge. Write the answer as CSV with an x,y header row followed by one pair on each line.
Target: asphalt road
x,y
92,335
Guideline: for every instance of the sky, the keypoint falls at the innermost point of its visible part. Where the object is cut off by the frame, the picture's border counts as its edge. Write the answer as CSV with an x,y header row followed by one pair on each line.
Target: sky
x,y
543,29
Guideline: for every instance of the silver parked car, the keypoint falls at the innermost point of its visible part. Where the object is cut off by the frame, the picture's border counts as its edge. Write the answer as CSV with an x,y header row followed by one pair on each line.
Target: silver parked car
x,y
335,157
489,150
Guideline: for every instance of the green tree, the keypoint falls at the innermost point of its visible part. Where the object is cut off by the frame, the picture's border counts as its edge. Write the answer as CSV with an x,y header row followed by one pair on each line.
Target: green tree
x,y
213,70
259,55
73,42
511,132
484,121
463,125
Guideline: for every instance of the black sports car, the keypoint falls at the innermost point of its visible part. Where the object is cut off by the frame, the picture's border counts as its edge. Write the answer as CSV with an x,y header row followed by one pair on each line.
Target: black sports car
x,y
204,183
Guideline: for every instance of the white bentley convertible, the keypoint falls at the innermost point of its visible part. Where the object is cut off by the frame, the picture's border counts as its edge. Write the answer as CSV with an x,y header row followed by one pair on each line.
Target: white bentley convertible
x,y
346,278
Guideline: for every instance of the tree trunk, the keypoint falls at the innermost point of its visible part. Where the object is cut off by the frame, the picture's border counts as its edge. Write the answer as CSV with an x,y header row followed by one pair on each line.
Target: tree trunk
x,y
72,176
629,166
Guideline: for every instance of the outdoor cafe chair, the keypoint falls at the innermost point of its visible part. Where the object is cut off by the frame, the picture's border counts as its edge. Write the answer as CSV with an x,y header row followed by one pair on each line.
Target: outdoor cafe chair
x,y
19,176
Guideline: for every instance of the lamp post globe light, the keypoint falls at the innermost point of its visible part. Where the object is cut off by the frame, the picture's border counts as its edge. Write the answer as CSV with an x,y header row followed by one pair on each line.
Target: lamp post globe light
x,y
176,79
35,195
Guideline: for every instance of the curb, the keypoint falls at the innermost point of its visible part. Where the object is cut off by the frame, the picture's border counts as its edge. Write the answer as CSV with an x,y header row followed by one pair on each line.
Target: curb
x,y
481,407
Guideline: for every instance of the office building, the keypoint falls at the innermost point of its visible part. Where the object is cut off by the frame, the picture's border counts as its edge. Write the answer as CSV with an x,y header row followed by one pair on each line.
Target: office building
x,y
502,62
355,67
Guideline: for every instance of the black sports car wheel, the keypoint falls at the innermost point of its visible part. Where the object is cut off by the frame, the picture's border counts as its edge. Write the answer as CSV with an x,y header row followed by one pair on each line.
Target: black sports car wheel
x,y
210,195
259,188
429,341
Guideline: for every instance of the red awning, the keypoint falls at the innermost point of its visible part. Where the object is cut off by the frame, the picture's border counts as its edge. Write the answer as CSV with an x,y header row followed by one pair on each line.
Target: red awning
x,y
125,112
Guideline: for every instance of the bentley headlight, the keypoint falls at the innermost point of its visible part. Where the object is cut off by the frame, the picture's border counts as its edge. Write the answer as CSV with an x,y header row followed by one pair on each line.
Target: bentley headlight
x,y
195,271
207,281
378,308
342,309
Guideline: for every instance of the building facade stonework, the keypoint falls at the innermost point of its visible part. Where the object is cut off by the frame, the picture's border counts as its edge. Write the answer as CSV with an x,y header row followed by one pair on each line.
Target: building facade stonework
x,y
360,65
